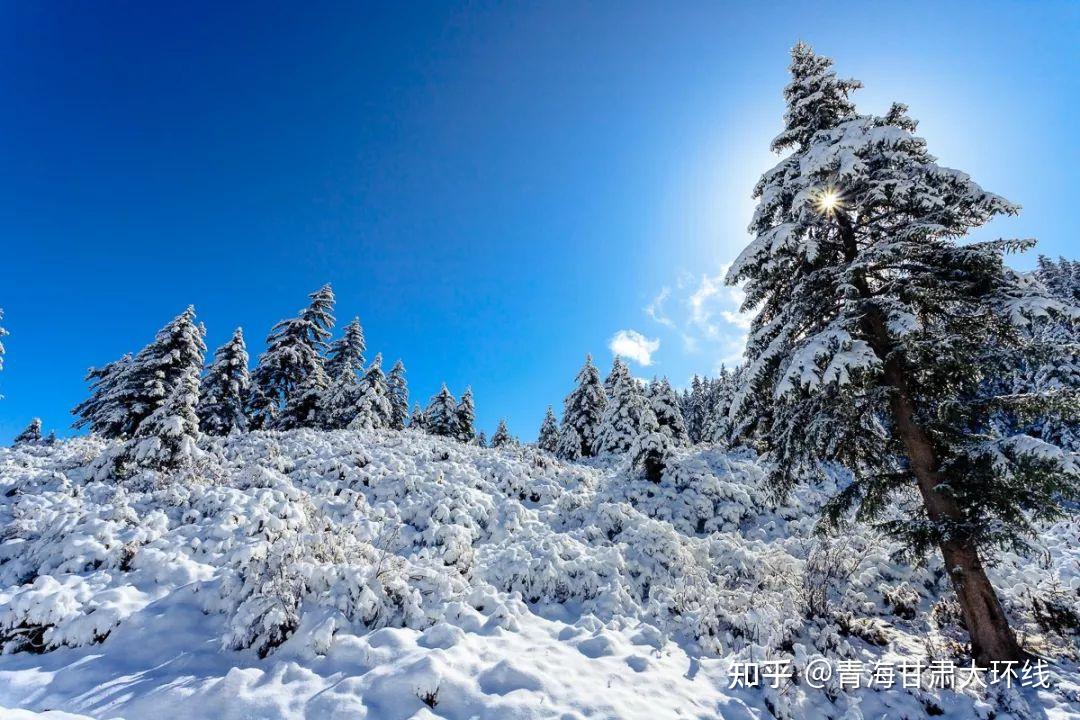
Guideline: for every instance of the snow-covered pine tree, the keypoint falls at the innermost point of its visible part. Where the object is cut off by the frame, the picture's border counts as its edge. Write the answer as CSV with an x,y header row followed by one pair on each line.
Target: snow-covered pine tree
x,y
618,369
874,333
127,391
651,448
480,440
304,408
717,418
224,389
98,412
1051,367
548,438
502,436
693,409
466,417
1061,278
418,418
441,414
374,411
664,403
341,400
570,444
168,437
623,414
583,409
290,375
816,99
347,351
399,396
50,439
31,434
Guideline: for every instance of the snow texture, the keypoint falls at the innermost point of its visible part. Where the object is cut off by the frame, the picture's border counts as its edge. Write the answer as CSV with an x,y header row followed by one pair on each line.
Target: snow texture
x,y
394,574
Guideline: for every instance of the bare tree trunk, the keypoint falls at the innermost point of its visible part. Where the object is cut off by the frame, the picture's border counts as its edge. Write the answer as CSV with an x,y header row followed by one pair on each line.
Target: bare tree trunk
x,y
988,627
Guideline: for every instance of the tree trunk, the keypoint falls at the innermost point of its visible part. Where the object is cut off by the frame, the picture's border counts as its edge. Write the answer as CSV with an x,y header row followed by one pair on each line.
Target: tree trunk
x,y
991,637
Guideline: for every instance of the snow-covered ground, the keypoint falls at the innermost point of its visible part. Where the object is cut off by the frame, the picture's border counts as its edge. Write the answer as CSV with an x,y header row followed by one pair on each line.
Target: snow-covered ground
x,y
388,575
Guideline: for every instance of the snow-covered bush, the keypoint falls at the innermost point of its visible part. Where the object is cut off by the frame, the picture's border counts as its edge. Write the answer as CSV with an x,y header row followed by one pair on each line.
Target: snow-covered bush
x,y
297,541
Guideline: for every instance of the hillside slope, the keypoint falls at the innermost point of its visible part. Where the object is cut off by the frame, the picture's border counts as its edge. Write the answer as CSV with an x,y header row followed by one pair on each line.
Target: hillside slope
x,y
389,575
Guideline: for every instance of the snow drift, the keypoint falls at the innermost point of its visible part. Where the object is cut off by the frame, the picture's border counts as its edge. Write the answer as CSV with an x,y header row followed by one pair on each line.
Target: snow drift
x,y
383,574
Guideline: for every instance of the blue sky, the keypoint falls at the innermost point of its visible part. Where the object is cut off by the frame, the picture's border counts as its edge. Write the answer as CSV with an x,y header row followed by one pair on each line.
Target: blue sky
x,y
494,189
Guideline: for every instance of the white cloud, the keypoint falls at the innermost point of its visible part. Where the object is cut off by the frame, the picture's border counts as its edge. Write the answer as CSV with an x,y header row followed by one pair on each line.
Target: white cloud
x,y
635,346
655,309
711,298
705,313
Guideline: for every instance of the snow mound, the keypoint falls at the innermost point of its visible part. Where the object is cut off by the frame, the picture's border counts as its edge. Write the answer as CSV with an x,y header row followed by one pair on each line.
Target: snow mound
x,y
381,574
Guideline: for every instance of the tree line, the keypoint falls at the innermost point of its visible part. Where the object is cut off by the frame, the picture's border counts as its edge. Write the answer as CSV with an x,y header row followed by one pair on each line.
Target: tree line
x,y
160,399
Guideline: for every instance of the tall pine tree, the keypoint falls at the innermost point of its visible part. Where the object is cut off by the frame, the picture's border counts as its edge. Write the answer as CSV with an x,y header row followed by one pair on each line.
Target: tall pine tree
x,y
347,351
290,376
502,436
418,418
440,418
874,334
399,396
693,409
224,389
374,411
167,438
31,434
664,403
548,438
466,417
624,413
618,369
99,413
583,410
126,392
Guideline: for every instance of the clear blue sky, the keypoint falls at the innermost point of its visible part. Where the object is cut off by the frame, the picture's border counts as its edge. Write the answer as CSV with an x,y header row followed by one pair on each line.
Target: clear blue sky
x,y
495,190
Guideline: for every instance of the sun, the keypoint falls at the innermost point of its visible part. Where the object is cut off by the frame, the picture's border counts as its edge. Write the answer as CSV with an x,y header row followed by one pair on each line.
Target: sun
x,y
829,201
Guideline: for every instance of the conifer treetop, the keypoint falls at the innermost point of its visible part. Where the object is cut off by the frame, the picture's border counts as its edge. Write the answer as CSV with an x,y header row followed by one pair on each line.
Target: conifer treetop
x,y
816,98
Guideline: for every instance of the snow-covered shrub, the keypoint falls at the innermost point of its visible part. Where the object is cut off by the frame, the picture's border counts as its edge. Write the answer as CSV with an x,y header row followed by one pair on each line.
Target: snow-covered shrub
x,y
294,540
651,449
50,613
828,570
